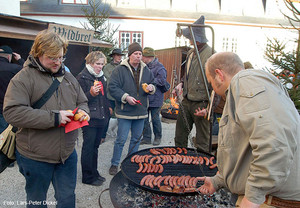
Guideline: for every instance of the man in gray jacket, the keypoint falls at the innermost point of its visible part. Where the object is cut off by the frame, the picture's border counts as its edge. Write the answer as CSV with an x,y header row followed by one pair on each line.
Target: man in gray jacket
x,y
259,136
44,152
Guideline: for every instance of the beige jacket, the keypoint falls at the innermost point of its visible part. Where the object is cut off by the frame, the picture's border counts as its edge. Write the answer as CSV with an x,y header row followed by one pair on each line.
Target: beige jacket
x,y
259,138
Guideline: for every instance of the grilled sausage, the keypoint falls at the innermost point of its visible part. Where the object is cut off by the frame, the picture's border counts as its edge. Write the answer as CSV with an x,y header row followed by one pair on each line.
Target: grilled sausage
x,y
166,182
160,180
211,160
140,168
189,190
161,168
158,158
151,182
144,179
156,180
186,181
184,150
206,161
179,150
145,168
175,180
201,160
133,158
148,179
213,166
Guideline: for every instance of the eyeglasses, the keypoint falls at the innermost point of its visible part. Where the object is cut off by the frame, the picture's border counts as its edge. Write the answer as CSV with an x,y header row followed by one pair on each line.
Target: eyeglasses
x,y
61,59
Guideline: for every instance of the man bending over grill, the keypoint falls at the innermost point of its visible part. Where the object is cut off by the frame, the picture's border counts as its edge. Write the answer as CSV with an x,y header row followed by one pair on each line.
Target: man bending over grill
x,y
259,137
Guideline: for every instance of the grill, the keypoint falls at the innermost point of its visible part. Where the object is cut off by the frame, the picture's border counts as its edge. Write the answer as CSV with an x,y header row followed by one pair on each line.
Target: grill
x,y
179,169
125,189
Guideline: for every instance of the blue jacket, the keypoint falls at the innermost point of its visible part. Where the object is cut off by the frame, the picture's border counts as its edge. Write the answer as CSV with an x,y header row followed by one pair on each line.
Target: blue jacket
x,y
160,78
122,84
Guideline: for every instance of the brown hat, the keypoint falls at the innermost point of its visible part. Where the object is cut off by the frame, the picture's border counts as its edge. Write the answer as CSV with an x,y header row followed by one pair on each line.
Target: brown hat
x,y
133,47
148,52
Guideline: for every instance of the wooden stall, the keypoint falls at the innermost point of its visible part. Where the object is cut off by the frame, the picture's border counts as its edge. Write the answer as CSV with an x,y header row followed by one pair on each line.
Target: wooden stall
x,y
174,61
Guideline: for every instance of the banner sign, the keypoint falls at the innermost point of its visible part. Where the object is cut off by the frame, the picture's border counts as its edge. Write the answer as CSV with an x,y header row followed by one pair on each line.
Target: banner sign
x,y
72,33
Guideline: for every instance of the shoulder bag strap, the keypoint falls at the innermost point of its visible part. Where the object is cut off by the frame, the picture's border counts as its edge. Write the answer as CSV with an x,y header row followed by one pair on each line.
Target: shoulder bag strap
x,y
38,104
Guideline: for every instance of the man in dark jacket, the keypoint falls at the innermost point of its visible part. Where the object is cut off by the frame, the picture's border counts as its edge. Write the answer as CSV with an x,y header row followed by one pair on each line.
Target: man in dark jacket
x,y
126,87
156,100
7,71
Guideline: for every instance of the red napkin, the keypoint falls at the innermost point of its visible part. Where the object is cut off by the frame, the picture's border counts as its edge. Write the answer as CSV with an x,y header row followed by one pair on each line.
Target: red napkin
x,y
73,125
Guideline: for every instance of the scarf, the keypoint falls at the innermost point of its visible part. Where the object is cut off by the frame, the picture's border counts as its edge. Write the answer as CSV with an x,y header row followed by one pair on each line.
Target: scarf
x,y
92,72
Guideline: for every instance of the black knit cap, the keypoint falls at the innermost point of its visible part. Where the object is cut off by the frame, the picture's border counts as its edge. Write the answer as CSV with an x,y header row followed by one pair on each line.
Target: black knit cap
x,y
133,47
6,49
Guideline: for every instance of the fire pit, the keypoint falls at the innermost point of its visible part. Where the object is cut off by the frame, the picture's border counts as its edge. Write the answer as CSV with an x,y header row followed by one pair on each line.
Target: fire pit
x,y
126,189
124,193
172,111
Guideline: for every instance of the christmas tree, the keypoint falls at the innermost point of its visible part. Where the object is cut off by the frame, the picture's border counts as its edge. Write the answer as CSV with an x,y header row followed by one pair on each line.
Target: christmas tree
x,y
286,62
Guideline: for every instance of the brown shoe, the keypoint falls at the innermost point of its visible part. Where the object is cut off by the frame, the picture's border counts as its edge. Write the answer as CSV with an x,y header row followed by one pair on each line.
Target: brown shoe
x,y
113,170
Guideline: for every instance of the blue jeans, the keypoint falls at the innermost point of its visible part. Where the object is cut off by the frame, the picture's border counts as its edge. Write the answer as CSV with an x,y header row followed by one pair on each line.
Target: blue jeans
x,y
215,127
38,176
124,125
3,123
89,153
156,123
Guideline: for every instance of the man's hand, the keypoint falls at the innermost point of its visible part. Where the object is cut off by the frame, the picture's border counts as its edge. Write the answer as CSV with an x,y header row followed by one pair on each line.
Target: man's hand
x,y
199,112
131,100
207,188
65,116
85,116
178,88
16,56
248,204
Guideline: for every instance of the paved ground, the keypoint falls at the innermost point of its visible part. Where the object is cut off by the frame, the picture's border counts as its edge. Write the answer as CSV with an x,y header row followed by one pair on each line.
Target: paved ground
x,y
12,183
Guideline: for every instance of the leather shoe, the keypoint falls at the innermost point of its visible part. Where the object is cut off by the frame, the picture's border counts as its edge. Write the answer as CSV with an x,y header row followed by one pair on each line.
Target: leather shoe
x,y
145,142
101,178
95,183
113,170
156,141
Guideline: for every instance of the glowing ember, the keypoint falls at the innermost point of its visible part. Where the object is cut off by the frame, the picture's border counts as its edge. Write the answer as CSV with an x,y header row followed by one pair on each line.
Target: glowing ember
x,y
174,107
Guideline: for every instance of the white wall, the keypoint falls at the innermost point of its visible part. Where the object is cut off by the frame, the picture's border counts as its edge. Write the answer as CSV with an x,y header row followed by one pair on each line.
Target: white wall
x,y
11,7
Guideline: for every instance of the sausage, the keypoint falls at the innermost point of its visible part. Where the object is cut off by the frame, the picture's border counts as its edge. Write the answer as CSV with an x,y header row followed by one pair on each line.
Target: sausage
x,y
151,182
158,158
156,168
184,150
160,180
145,168
156,179
195,182
206,161
180,179
175,180
173,151
132,158
169,158
213,166
143,158
211,160
201,160
136,159
149,168
162,151
186,181
171,181
140,168
175,159
163,159
161,168
179,157
166,182
191,181
147,158
143,180
152,160
148,179
179,150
